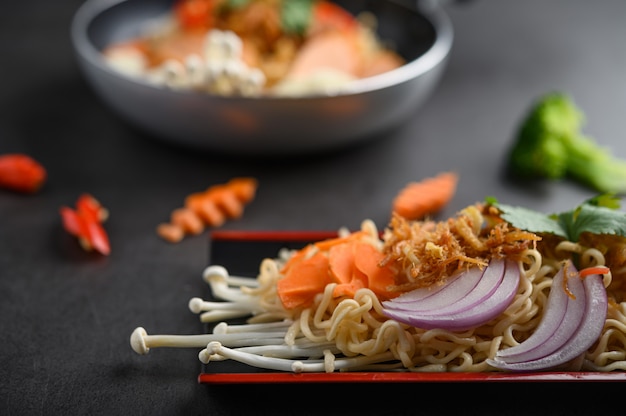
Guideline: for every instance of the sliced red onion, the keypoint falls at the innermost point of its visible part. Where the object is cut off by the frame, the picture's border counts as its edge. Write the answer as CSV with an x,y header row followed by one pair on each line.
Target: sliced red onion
x,y
478,307
429,298
583,320
488,281
565,316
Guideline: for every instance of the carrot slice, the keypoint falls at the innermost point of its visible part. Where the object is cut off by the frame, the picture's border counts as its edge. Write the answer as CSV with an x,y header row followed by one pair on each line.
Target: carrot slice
x,y
210,208
379,278
243,188
296,258
419,199
341,262
303,281
342,267
186,219
205,208
170,232
347,261
328,243
226,200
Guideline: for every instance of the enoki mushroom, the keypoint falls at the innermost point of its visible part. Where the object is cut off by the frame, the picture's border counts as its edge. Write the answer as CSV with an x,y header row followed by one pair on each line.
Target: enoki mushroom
x,y
347,335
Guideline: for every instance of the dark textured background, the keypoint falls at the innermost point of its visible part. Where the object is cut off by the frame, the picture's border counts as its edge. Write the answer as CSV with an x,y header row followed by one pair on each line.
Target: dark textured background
x,y
66,315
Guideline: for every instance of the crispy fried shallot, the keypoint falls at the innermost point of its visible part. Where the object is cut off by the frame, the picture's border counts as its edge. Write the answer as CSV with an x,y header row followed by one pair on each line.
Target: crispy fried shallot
x,y
428,252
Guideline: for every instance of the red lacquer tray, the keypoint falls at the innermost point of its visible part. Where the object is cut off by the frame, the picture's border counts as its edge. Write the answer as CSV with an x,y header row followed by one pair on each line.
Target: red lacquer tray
x,y
241,252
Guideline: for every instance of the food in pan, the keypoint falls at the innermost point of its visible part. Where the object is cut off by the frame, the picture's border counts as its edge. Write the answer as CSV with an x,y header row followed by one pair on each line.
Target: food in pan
x,y
256,47
494,288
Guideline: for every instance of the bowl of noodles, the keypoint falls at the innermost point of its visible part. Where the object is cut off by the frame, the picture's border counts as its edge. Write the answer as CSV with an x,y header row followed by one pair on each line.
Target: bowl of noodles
x,y
262,77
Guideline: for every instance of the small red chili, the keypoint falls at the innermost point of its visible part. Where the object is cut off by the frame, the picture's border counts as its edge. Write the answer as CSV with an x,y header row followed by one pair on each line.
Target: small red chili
x,y
195,14
85,222
594,270
21,173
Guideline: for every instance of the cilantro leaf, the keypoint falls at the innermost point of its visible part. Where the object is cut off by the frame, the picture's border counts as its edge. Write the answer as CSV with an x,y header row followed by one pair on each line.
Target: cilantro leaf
x,y
598,215
533,221
593,219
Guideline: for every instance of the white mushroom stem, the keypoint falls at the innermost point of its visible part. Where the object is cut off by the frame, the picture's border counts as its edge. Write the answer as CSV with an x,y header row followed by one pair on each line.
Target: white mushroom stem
x,y
217,277
286,351
230,280
197,305
141,342
218,311
224,328
215,316
283,364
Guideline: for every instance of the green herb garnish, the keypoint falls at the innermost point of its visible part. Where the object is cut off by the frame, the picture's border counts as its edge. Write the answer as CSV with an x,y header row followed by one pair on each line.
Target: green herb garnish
x,y
296,15
598,215
236,4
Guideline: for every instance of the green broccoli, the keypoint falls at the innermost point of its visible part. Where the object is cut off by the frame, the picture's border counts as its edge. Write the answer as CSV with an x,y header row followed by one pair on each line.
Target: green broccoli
x,y
550,145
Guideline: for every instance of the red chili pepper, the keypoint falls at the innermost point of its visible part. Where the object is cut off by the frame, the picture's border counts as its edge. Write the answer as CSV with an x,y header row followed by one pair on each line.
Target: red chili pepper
x,y
85,222
328,15
89,206
21,173
593,270
195,14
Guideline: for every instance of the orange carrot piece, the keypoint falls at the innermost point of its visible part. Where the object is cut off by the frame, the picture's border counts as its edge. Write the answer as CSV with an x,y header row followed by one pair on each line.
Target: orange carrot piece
x,y
296,258
187,220
341,262
205,208
358,281
347,261
419,199
210,208
243,188
170,232
226,201
379,279
303,281
328,243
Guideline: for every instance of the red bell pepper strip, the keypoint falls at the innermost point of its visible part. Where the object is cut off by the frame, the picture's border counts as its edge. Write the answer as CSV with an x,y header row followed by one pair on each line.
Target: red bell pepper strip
x,y
21,173
85,222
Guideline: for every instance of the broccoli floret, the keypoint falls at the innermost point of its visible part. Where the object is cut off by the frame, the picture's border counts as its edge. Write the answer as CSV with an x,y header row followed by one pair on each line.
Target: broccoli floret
x,y
550,145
